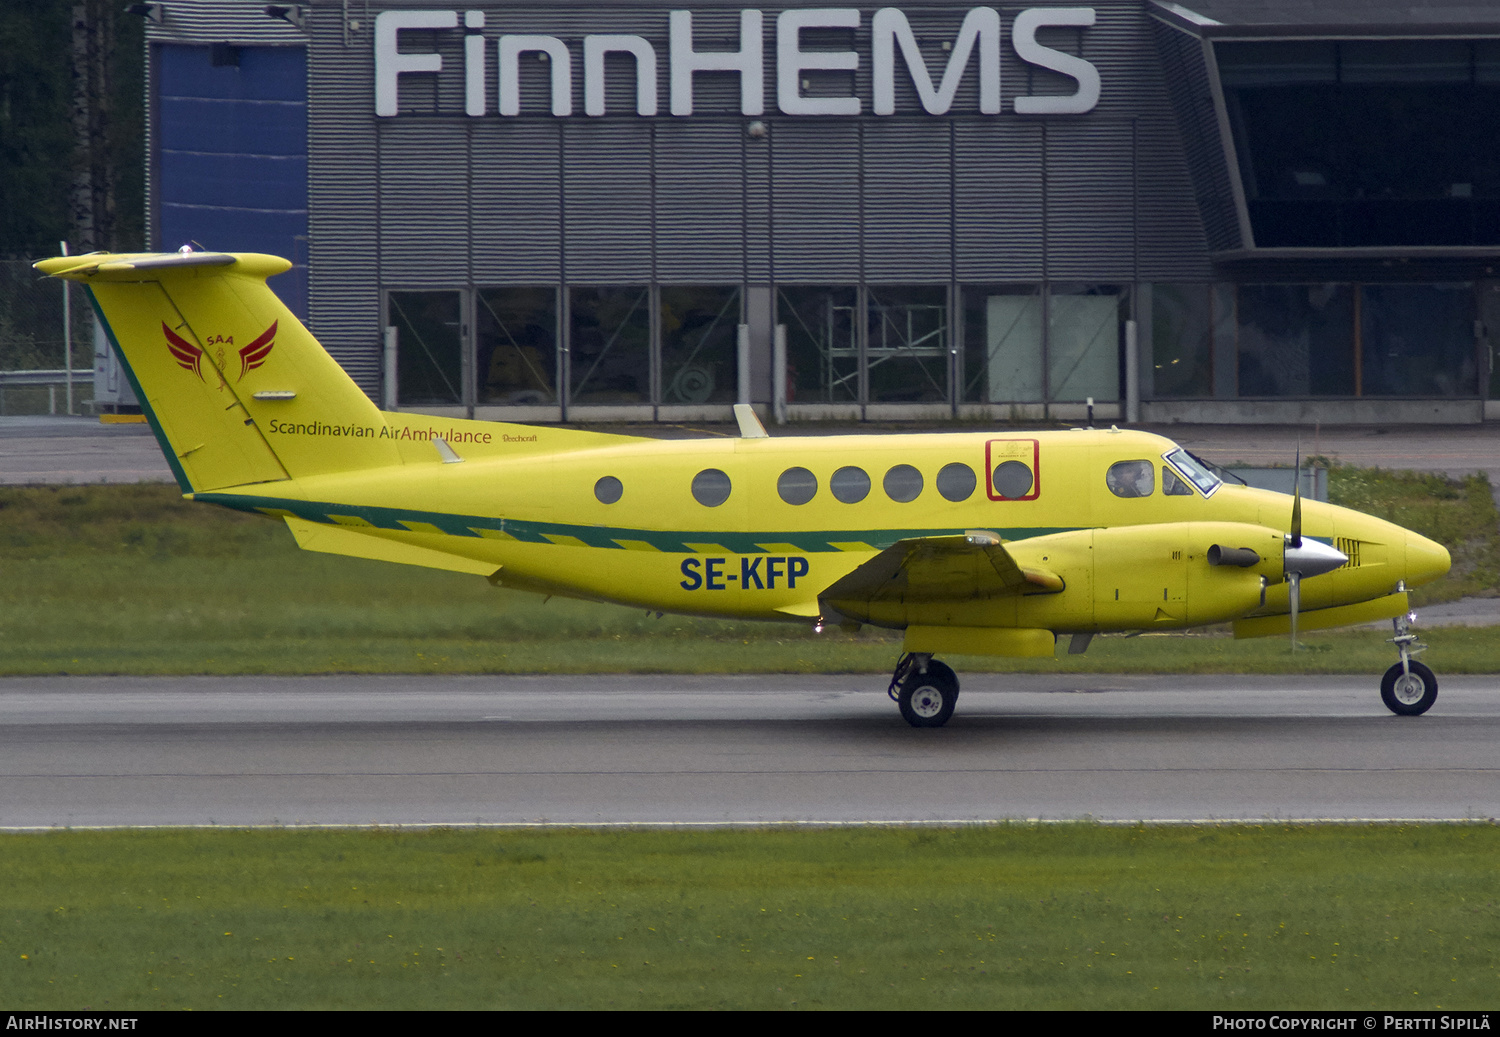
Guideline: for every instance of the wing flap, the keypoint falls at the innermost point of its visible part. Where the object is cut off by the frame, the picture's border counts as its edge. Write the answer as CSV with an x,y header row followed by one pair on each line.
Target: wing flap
x,y
946,568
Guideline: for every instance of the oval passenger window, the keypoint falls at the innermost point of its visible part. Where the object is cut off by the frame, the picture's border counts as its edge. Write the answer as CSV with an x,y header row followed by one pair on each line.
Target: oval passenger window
x,y
711,487
608,489
797,485
1012,479
956,482
850,485
903,484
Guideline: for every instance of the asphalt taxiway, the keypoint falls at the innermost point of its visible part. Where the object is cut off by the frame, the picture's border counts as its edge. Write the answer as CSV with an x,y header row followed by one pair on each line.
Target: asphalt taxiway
x,y
733,750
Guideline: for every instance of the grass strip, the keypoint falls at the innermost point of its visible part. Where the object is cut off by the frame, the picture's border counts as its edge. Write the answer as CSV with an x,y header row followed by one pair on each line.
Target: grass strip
x,y
133,580
997,917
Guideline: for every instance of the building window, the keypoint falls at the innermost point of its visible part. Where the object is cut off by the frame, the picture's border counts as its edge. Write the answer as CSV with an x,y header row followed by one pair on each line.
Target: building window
x,y
822,346
1181,326
1417,340
1295,339
907,343
699,340
1023,345
516,344
1002,343
610,346
1366,142
1083,341
429,350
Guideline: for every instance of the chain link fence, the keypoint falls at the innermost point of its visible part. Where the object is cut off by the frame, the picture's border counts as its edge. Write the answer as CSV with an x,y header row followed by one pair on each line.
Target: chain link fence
x,y
32,340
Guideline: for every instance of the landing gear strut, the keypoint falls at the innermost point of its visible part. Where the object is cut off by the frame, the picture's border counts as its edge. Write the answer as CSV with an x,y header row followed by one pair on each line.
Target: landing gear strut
x,y
1408,689
925,689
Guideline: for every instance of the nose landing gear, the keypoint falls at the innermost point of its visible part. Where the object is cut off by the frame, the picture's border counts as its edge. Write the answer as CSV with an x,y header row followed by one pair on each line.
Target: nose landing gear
x,y
925,689
1408,689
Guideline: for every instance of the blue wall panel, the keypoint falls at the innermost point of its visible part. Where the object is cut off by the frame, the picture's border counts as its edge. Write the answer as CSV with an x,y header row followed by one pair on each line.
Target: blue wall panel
x,y
231,154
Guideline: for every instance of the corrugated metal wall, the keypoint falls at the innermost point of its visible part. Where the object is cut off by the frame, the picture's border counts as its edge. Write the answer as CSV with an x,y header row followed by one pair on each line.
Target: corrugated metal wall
x,y
1187,76
435,198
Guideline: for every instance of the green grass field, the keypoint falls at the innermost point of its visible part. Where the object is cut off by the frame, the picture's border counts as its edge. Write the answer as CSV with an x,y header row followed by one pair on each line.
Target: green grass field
x,y
134,580
1003,917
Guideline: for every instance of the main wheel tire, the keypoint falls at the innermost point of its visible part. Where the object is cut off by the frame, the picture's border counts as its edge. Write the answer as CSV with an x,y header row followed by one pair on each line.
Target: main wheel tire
x,y
1408,694
927,699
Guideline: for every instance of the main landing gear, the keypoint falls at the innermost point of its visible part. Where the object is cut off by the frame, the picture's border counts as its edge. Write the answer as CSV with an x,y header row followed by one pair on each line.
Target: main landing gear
x,y
1408,689
925,689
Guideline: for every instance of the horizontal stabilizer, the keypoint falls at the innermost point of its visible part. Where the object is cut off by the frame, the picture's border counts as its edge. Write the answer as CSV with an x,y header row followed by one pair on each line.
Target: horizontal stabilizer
x,y
342,540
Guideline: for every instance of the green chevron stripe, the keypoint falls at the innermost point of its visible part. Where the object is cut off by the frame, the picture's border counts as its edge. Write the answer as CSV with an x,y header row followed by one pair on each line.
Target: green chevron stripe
x,y
667,541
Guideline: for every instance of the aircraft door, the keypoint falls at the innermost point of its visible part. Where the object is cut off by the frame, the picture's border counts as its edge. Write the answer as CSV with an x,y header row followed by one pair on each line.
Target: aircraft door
x,y
1012,469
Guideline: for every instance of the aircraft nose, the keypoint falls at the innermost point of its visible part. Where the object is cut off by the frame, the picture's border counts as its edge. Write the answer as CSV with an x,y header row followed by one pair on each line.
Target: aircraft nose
x,y
1426,560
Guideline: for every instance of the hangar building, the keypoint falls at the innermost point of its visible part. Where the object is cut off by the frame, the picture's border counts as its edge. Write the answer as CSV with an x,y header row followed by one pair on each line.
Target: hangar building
x,y
1219,210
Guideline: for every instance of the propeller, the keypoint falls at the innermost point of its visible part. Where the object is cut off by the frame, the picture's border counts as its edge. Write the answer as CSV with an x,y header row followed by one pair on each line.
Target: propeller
x,y
1304,557
1294,541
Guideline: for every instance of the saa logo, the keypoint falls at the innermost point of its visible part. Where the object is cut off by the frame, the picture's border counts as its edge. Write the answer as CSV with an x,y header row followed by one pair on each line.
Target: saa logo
x,y
190,358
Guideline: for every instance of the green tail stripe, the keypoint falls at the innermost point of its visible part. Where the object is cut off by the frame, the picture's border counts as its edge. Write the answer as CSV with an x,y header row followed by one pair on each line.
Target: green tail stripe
x,y
140,395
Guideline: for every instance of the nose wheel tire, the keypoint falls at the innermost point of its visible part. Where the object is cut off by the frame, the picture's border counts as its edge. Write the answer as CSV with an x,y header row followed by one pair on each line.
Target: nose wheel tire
x,y
1408,694
927,699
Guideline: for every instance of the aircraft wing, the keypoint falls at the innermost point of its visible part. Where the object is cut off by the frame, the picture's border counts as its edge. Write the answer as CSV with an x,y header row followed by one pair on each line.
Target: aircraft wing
x,y
945,568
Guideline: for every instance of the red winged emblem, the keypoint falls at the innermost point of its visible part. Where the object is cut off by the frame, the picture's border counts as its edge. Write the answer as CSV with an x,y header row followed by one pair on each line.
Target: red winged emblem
x,y
187,355
190,358
253,355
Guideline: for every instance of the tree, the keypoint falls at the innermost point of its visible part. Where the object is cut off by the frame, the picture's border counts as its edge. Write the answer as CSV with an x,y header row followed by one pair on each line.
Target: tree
x,y
72,156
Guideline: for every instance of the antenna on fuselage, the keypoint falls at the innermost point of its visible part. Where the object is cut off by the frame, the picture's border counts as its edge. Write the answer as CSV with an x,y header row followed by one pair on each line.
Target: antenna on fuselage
x,y
750,426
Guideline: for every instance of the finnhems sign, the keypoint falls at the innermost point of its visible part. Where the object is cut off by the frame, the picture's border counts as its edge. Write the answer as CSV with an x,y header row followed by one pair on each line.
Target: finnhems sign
x,y
977,43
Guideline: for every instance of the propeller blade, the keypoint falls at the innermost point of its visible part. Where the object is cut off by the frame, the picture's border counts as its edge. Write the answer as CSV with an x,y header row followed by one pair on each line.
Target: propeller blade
x,y
1295,539
1294,593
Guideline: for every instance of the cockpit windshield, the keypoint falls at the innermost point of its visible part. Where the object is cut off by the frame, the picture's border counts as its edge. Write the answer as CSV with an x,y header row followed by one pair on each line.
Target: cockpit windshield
x,y
1194,472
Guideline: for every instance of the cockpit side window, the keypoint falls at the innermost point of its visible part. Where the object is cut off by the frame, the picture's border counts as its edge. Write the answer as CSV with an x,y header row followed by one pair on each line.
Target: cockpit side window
x,y
1131,478
1189,467
1172,484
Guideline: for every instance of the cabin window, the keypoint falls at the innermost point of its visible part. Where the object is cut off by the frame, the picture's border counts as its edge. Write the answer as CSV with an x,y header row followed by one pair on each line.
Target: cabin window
x,y
1131,479
850,485
608,489
956,482
797,485
711,487
1173,486
903,484
1012,480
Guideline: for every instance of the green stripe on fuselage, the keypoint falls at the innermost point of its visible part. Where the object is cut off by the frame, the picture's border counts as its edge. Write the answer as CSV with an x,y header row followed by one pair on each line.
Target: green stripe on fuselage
x,y
668,541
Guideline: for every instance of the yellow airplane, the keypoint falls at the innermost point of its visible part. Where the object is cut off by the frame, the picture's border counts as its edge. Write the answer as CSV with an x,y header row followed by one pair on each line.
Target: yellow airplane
x,y
987,543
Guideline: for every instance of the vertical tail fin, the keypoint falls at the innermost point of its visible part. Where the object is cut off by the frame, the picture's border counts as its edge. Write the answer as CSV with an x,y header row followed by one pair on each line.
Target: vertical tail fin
x,y
236,389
